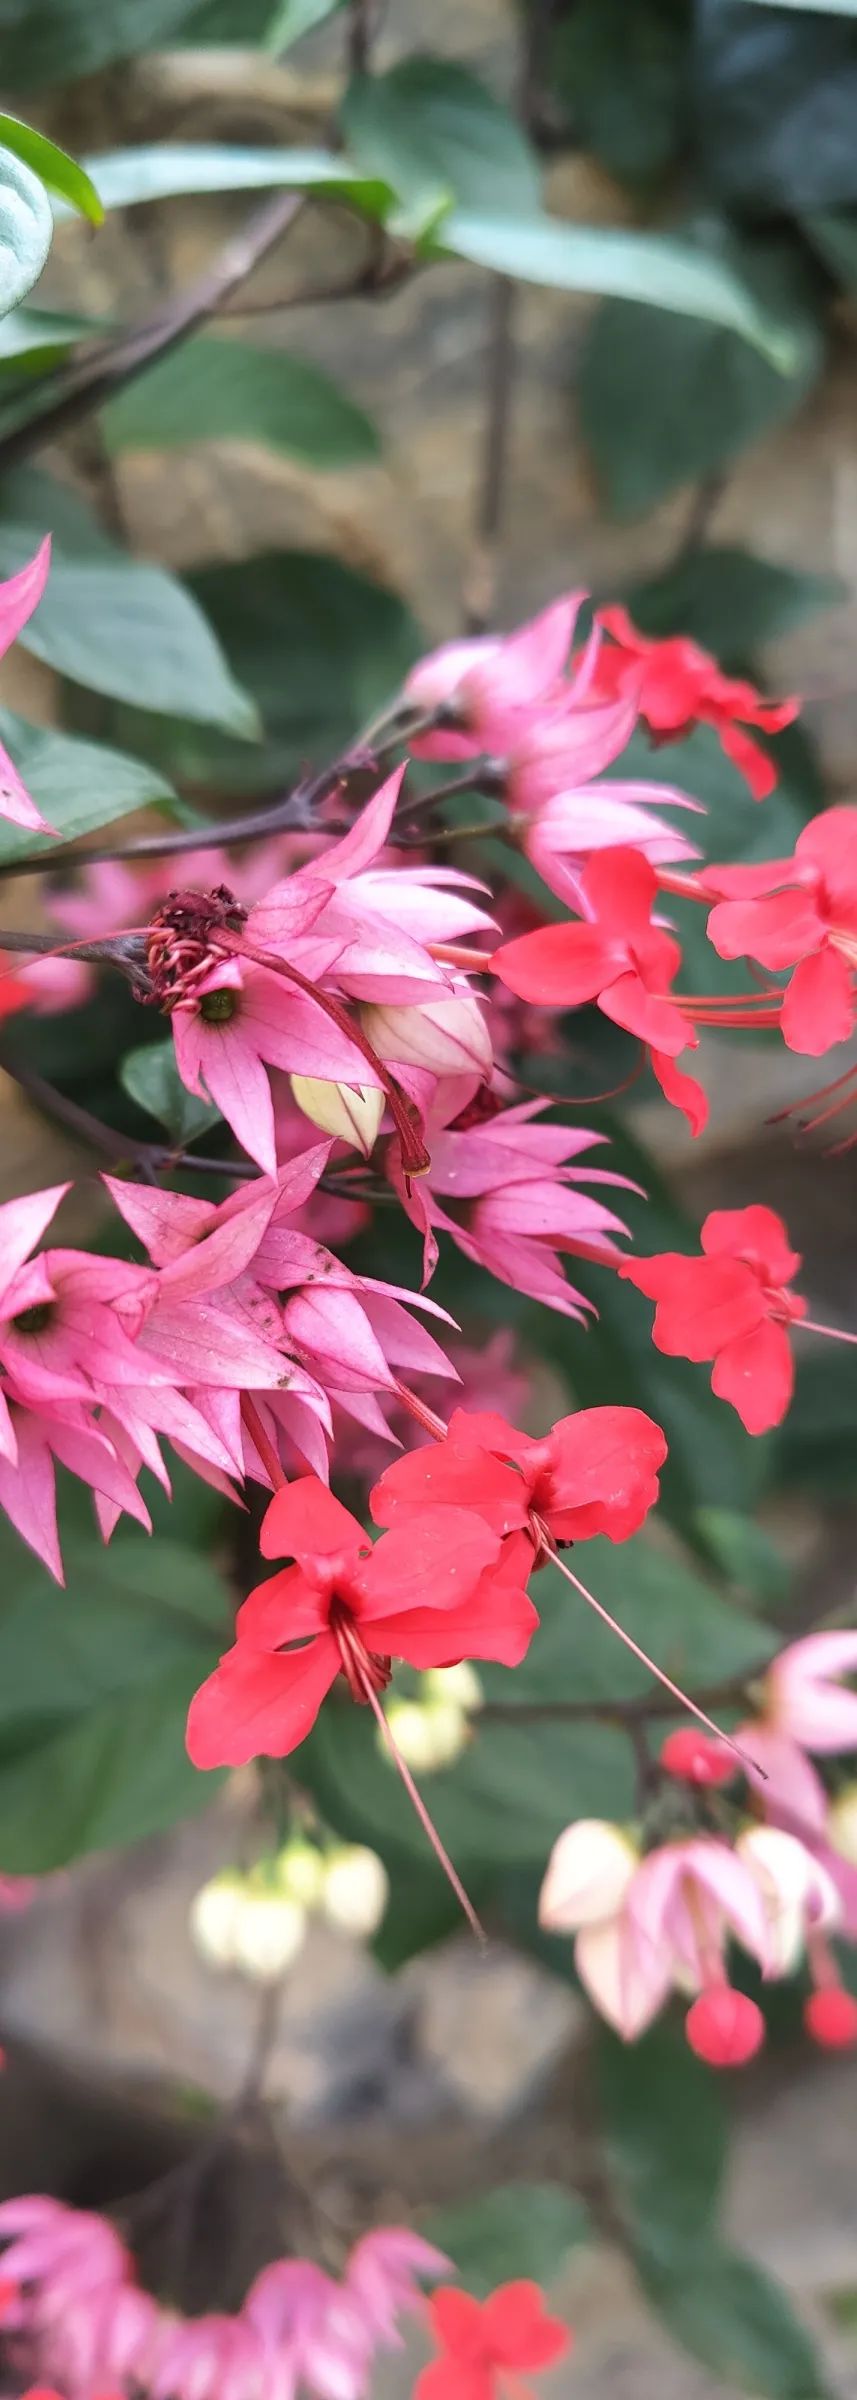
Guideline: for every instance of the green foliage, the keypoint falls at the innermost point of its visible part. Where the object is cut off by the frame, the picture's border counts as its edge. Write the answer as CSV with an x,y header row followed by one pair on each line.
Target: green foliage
x,y
776,92
518,2229
729,602
701,394
665,2136
77,785
232,391
26,229
54,168
94,1687
730,2314
288,20
690,1629
632,116
32,340
114,623
150,1076
745,1554
126,178
55,41
432,130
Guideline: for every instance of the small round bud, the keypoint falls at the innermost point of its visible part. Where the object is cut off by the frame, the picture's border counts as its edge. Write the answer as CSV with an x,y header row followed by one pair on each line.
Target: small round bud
x,y
842,1823
725,2028
429,1736
588,1874
458,1684
830,2018
449,1037
269,1932
299,1870
352,1116
213,1918
355,1890
692,1757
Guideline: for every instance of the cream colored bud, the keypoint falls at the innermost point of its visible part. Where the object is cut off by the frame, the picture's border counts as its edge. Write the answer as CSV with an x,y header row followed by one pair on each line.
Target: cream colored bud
x,y
269,1932
214,1916
299,1870
428,1734
460,1685
355,1890
588,1874
350,1114
450,1037
842,1823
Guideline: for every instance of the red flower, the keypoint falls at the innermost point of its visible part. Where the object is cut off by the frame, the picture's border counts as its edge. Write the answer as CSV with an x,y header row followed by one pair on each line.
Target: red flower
x,y
678,685
617,958
596,1472
731,1306
427,1593
481,2341
799,912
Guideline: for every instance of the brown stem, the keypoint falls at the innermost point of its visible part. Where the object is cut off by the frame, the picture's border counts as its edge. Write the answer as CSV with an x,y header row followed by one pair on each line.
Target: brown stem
x,y
482,579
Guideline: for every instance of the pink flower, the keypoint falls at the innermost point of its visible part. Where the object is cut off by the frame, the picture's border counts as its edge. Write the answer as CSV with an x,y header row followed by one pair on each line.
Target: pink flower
x,y
69,1435
209,2358
19,596
381,2277
482,686
325,2334
675,685
804,1698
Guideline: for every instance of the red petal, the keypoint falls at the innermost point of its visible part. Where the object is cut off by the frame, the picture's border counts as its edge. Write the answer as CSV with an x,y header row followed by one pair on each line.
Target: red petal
x,y
681,1090
629,1002
498,1621
818,1009
434,1562
604,1477
755,1233
284,1609
775,930
451,1472
702,1302
757,1375
449,2379
521,2333
457,2322
750,759
561,966
305,1521
256,1706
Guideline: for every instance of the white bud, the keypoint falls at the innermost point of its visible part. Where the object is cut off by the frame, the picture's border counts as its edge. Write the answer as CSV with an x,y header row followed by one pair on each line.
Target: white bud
x,y
299,1869
459,1684
428,1734
214,1916
355,1891
842,1823
450,1037
350,1114
588,1874
269,1932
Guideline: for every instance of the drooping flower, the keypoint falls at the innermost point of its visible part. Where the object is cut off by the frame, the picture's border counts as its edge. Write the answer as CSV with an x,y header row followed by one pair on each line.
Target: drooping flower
x,y
806,1700
19,596
425,1595
484,687
677,685
596,1472
799,912
731,1305
487,2346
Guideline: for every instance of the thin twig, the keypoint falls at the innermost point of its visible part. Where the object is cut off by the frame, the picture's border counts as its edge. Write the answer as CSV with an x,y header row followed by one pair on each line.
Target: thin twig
x,y
480,597
706,499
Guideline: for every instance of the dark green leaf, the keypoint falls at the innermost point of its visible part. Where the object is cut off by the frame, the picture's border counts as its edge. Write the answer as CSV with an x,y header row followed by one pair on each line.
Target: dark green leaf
x,y
94,1687
701,393
115,624
745,1553
26,230
55,41
518,2229
776,98
77,785
34,339
123,178
690,1630
54,168
833,233
150,1076
231,391
288,20
730,602
256,24
817,1445
661,270
621,70
665,2139
432,130
728,2312
826,8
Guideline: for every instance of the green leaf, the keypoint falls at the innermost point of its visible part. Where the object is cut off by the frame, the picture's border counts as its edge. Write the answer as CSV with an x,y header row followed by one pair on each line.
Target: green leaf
x,y
319,647
730,602
661,270
94,1687
32,340
690,1630
634,121
77,785
519,2229
115,624
833,233
26,230
432,130
228,391
817,1444
774,106
745,1553
664,2132
701,393
55,41
825,8
54,168
728,2312
123,178
150,1076
290,19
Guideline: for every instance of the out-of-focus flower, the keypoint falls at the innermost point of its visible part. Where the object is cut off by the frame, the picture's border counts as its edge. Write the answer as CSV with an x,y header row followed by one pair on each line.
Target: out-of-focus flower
x,y
675,685
487,2346
805,1699
799,912
355,1889
485,687
246,1921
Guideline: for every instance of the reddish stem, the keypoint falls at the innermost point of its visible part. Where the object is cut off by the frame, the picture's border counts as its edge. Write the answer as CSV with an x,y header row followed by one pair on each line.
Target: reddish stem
x,y
260,1441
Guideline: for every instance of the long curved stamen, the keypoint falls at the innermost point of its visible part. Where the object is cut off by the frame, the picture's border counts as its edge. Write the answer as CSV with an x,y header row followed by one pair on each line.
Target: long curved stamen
x,y
418,1803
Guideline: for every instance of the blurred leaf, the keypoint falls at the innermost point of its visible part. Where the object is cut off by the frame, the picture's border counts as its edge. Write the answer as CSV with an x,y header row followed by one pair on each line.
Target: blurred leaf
x,y
701,393
730,602
113,623
432,130
26,229
816,1446
166,170
319,647
697,1636
150,1076
56,41
827,8
664,2132
776,97
728,2312
256,24
94,1687
55,169
231,391
35,339
519,2229
78,785
661,270
745,1553
633,119
833,233
290,19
